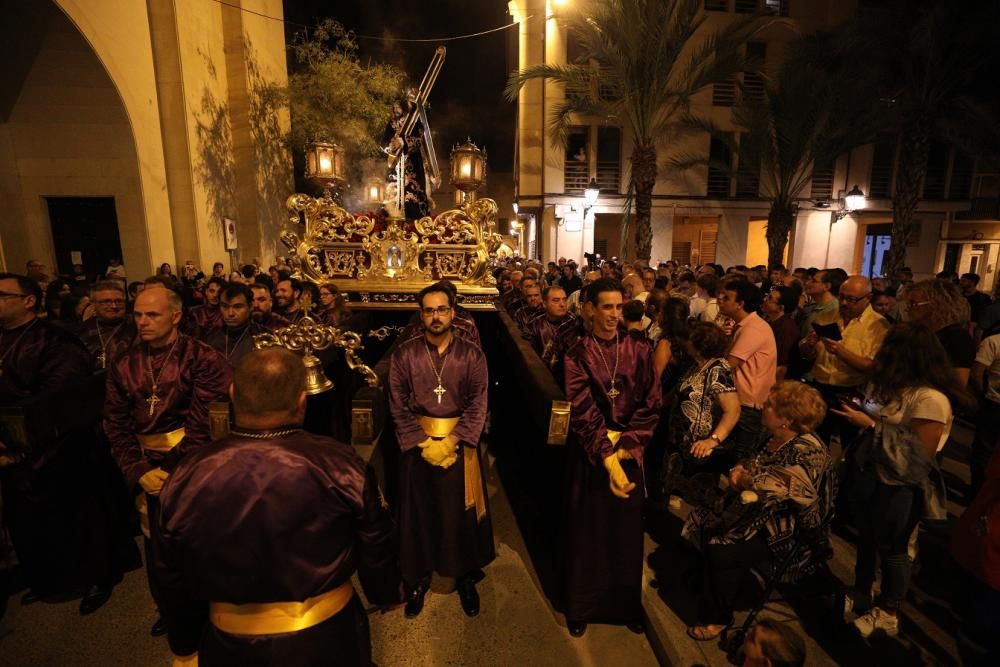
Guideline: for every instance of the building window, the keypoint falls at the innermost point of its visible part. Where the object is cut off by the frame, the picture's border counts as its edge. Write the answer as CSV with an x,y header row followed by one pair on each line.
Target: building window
x,y
822,180
577,169
724,93
720,160
716,5
883,167
778,7
747,176
753,82
961,176
609,160
746,6
937,168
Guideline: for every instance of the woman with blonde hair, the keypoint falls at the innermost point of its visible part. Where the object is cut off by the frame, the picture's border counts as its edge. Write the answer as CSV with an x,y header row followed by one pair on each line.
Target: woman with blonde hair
x,y
787,485
941,306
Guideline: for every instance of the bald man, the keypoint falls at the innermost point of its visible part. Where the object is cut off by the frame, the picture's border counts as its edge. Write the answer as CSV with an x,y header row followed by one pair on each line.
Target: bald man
x,y
842,366
156,404
260,573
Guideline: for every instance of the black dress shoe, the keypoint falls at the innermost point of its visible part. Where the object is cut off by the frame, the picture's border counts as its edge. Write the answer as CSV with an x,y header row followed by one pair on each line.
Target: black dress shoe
x,y
415,600
95,598
469,596
576,628
30,597
159,628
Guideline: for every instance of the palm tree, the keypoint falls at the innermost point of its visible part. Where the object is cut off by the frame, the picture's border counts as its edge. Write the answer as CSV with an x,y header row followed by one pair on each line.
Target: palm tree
x,y
928,57
785,134
642,61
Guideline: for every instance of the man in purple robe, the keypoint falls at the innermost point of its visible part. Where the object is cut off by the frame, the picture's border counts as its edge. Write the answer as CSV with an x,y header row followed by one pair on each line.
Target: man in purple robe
x,y
437,396
261,532
553,332
235,338
58,498
207,316
263,308
530,309
107,335
156,406
615,404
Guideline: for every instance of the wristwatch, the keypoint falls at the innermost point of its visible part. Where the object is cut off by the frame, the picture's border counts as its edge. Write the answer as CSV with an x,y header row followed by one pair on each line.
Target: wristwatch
x,y
715,437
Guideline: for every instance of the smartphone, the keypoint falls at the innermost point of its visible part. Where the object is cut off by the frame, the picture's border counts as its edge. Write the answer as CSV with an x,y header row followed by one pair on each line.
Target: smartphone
x,y
831,331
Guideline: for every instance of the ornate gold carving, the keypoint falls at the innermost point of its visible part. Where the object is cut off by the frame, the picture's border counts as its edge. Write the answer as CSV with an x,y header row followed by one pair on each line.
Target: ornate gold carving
x,y
558,423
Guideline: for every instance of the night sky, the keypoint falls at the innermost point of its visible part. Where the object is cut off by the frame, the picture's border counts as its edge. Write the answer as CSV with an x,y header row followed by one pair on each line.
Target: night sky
x,y
468,97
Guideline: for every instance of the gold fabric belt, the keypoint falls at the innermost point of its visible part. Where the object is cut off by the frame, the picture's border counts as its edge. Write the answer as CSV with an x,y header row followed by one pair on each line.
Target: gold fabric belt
x,y
154,442
161,442
439,427
613,437
275,618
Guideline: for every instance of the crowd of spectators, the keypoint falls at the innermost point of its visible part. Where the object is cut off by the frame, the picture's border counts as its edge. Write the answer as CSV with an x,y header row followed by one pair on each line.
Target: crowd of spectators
x,y
809,395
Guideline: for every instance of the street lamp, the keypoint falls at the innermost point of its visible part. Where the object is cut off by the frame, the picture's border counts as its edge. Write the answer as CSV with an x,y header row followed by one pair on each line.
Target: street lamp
x,y
855,200
591,194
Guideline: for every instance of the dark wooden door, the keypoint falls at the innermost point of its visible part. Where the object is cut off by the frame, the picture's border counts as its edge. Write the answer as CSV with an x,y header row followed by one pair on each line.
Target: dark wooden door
x,y
85,225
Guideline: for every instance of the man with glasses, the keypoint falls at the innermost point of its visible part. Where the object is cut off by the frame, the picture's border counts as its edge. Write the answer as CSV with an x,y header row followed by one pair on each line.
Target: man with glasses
x,y
822,289
56,494
437,396
107,335
842,366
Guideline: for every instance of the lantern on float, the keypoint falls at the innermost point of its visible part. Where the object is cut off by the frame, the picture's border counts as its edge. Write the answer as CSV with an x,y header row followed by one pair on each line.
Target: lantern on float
x,y
324,163
468,169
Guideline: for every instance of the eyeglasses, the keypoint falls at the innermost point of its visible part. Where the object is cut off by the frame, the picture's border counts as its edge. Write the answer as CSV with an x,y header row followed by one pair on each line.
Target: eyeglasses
x,y
12,295
854,299
110,302
440,310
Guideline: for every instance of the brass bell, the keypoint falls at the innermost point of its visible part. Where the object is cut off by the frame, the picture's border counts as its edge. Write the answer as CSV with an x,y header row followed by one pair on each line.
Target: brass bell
x,y
316,380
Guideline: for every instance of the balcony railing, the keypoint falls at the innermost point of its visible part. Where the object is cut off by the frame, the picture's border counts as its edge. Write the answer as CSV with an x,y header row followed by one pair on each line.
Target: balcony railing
x,y
981,208
609,177
576,175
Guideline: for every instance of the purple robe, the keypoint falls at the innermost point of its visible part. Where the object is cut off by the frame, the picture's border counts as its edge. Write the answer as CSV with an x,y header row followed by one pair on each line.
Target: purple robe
x,y
64,506
523,315
234,344
277,519
437,532
206,318
195,376
604,535
273,321
107,339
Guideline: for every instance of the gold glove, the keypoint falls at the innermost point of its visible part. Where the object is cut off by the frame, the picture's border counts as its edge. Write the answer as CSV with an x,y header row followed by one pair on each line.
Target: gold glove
x,y
438,452
153,481
186,660
620,486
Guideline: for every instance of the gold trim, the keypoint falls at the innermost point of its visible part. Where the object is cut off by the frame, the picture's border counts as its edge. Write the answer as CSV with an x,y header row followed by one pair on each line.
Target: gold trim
x,y
558,423
438,427
275,618
160,442
613,436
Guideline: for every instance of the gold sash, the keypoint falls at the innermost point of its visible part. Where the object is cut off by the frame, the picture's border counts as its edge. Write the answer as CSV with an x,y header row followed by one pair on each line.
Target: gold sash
x,y
154,442
439,427
275,618
613,437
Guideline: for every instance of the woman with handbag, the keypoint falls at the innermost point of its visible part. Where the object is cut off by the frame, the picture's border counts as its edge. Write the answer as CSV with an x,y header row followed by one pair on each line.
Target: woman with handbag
x,y
896,481
705,412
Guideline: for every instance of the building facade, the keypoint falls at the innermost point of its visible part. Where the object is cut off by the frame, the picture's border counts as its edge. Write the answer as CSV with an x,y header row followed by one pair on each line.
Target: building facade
x,y
140,131
705,215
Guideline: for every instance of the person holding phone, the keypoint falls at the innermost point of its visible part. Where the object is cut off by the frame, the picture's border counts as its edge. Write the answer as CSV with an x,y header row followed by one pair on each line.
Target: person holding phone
x,y
842,364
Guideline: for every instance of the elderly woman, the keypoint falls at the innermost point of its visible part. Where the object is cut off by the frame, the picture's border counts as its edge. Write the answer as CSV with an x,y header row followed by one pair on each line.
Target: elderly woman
x,y
788,484
705,411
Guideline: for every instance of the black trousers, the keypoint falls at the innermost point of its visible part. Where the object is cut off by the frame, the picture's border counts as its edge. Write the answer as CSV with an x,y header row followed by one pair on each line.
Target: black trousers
x,y
724,574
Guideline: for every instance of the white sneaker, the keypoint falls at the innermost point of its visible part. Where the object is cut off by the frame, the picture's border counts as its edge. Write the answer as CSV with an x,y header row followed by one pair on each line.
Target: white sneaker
x,y
877,620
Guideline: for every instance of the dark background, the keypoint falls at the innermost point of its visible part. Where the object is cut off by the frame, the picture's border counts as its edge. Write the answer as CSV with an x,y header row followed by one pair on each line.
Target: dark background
x,y
467,100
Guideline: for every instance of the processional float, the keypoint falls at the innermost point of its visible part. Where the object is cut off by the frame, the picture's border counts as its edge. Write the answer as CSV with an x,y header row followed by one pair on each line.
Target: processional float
x,y
380,261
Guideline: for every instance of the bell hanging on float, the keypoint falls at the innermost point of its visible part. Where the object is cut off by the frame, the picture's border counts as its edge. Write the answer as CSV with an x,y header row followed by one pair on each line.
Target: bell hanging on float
x,y
316,380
